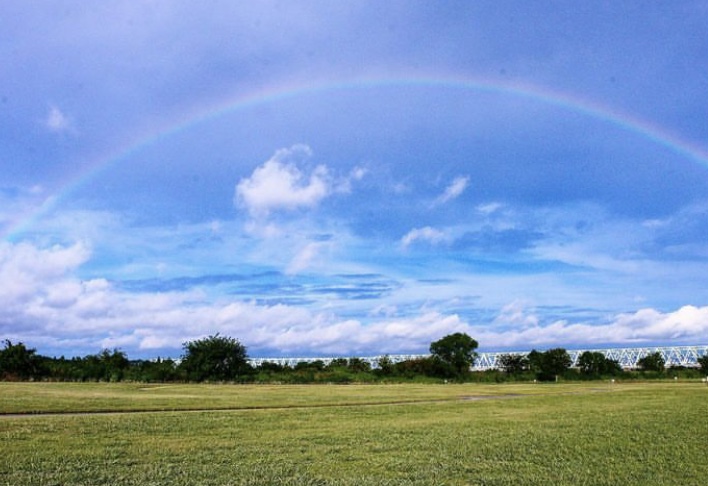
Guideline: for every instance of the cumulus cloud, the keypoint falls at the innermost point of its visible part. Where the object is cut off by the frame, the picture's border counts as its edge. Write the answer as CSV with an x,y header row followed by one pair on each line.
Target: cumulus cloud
x,y
454,190
24,269
426,234
279,184
44,303
688,324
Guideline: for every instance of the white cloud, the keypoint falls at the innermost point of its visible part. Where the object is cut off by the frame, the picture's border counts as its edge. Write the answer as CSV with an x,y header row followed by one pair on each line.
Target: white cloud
x,y
454,190
516,314
344,184
489,208
279,184
44,303
688,324
305,257
358,173
431,235
25,270
56,121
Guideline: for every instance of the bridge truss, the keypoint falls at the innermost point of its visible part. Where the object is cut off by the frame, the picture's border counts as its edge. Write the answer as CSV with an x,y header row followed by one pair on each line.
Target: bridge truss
x,y
627,357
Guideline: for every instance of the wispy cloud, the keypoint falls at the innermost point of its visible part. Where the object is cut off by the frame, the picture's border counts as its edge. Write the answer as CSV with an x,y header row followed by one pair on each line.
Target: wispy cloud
x,y
305,257
427,234
453,191
489,208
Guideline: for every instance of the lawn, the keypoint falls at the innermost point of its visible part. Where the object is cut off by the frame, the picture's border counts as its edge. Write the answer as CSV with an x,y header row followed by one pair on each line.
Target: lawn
x,y
597,433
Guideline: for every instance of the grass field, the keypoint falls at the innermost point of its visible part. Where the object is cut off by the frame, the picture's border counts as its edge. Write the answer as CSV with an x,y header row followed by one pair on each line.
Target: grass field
x,y
596,433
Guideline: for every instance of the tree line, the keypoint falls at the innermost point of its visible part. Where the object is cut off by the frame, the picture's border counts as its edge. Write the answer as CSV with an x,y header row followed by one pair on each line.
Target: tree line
x,y
224,359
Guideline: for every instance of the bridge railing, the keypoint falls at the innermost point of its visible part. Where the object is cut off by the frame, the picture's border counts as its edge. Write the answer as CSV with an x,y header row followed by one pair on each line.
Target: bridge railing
x,y
628,358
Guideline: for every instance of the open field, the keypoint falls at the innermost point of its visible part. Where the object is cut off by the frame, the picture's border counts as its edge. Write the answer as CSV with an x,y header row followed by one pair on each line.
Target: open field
x,y
595,433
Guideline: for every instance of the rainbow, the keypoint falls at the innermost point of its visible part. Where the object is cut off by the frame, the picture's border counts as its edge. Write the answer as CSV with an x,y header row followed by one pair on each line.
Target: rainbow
x,y
647,130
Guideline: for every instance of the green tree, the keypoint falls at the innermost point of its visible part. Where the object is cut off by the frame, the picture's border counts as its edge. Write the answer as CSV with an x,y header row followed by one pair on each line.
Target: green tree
x,y
151,371
652,362
535,360
337,363
385,366
358,365
554,363
594,363
115,364
703,363
104,366
214,358
513,364
456,351
316,365
20,363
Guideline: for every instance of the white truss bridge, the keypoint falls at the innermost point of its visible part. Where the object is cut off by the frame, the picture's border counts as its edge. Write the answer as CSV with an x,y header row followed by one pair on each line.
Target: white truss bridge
x,y
627,357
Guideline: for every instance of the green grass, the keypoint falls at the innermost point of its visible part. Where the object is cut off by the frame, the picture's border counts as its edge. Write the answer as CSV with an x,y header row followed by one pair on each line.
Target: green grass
x,y
87,397
648,433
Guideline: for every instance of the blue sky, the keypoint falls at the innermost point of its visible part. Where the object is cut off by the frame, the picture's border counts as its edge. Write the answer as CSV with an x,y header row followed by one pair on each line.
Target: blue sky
x,y
352,178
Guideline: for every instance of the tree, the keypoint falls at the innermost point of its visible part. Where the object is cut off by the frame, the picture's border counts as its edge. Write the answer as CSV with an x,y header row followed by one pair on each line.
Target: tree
x,y
19,362
316,365
358,365
426,366
337,363
214,358
535,359
114,363
513,364
652,362
594,363
456,351
703,363
385,366
554,362
151,371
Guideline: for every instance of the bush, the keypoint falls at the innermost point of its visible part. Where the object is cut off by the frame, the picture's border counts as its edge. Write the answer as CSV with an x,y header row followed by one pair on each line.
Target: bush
x,y
215,358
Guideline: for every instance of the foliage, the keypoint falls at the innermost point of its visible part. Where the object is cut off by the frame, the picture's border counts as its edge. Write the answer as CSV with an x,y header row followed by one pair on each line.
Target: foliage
x,y
456,352
19,362
385,366
595,364
224,359
513,364
108,365
550,364
214,358
535,359
652,362
153,371
358,365
703,363
104,366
